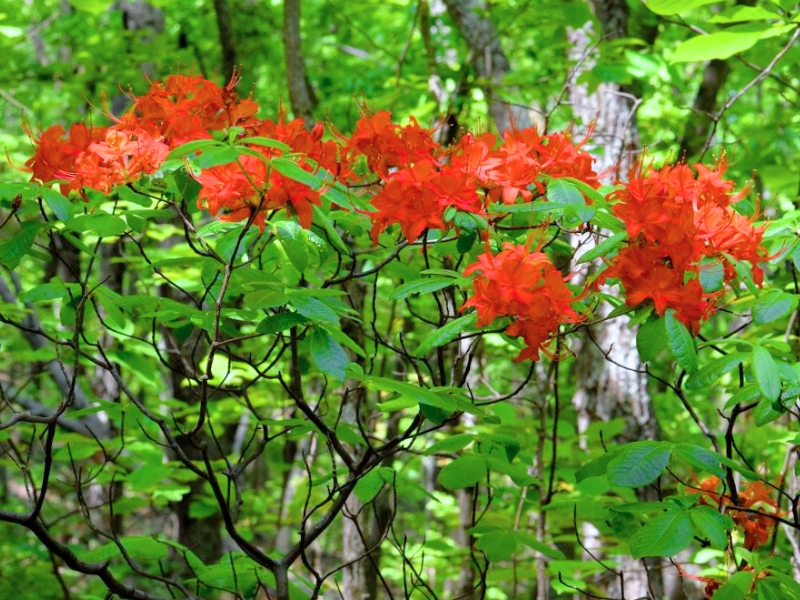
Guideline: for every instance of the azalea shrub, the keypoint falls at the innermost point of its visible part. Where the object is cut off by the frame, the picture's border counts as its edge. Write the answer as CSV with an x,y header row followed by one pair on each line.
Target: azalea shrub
x,y
280,335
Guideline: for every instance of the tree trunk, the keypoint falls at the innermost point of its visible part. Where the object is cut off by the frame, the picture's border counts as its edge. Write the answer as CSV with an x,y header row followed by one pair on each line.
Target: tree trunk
x,y
491,64
301,95
611,380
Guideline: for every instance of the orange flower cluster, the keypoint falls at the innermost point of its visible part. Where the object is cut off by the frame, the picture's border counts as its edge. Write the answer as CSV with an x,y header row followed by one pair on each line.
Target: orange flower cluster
x,y
676,217
525,286
179,110
757,526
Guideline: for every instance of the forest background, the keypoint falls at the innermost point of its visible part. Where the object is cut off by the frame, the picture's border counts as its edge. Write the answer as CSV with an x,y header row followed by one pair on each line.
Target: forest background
x,y
404,454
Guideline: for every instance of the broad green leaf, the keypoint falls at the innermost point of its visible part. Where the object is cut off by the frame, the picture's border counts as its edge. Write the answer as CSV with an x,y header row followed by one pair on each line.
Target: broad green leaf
x,y
707,375
446,334
712,525
293,241
108,300
465,471
766,411
566,194
316,310
721,44
665,535
531,542
289,168
712,275
191,148
102,224
452,443
498,445
280,322
321,219
651,339
638,464
699,458
736,14
50,291
213,157
12,250
144,548
604,248
266,142
766,373
681,343
598,466
673,7
420,286
62,207
368,486
345,340
772,305
329,356
737,587
497,545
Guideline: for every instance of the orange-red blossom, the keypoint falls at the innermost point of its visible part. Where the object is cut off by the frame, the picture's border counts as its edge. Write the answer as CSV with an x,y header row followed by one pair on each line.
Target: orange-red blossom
x,y
525,286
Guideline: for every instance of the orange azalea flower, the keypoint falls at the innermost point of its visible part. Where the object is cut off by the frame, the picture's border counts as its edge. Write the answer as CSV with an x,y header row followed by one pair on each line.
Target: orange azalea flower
x,y
674,219
526,286
757,526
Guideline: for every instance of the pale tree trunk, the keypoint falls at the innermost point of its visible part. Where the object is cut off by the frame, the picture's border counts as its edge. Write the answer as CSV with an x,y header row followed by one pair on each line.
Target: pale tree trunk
x,y
611,380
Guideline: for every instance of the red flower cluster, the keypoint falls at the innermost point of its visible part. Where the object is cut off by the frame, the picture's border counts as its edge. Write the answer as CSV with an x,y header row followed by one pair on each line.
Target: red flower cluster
x,y
757,526
675,219
525,286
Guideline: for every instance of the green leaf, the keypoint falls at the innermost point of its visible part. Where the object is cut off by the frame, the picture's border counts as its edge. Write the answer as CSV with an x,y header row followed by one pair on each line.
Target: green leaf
x,y
598,466
706,376
638,464
721,44
531,542
316,310
293,241
604,248
12,250
446,334
673,7
766,411
266,142
564,193
368,486
102,224
330,357
772,305
711,525
289,168
681,342
651,339
699,458
736,14
108,300
62,207
737,587
452,443
94,7
213,157
280,322
321,219
497,545
191,148
420,394
420,286
766,373
665,535
465,471
142,548
712,275
345,340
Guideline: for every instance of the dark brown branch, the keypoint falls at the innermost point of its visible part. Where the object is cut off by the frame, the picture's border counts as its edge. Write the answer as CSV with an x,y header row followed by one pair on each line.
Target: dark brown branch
x,y
226,40
300,93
